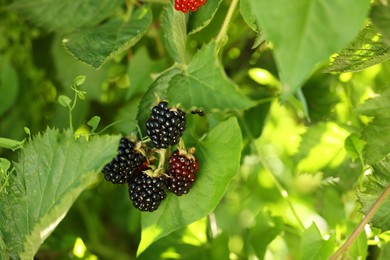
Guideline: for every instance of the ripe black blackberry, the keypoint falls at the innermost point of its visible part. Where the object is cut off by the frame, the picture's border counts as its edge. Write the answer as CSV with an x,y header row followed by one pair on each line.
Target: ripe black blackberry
x,y
126,163
182,169
146,192
165,125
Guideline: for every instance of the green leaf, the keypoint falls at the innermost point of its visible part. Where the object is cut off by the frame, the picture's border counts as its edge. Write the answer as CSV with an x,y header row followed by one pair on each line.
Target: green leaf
x,y
205,84
300,37
64,101
264,231
93,123
202,18
175,33
314,247
223,144
9,86
248,14
65,15
354,146
365,51
380,16
78,81
378,182
11,144
51,172
377,133
95,45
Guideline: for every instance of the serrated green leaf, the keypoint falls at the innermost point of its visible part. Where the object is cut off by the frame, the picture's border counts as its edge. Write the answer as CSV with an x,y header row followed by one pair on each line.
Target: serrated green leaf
x,y
366,50
11,144
377,133
354,146
175,33
378,182
380,16
314,247
223,144
248,15
9,86
202,18
205,84
51,172
265,230
308,40
63,15
95,45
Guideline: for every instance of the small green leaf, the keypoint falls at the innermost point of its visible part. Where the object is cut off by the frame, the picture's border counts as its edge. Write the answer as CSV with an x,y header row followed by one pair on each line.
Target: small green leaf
x,y
299,36
11,144
52,170
93,123
265,230
314,247
223,144
78,81
96,45
203,17
4,166
64,15
248,15
64,101
175,33
354,146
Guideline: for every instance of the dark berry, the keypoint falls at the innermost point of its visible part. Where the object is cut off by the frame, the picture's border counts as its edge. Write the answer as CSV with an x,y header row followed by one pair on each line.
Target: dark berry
x,y
188,5
165,125
146,192
126,163
182,170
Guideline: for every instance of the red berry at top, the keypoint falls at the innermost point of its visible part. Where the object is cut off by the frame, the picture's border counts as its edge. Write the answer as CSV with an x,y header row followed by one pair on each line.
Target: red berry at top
x,y
188,5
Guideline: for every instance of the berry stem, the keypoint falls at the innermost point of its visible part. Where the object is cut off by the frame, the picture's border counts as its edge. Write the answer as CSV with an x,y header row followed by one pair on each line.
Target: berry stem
x,y
222,34
374,208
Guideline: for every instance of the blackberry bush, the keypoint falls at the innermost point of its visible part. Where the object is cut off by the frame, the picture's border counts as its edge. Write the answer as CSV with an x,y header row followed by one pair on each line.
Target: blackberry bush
x,y
127,162
165,125
182,169
146,192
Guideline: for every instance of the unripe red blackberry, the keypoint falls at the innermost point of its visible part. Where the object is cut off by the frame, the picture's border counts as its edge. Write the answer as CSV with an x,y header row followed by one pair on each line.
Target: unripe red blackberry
x,y
146,192
165,125
126,163
182,170
188,5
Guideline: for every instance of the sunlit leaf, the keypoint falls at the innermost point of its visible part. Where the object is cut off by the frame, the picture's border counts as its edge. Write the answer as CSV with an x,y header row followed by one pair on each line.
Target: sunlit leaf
x,y
62,15
365,51
95,45
299,36
314,247
354,146
51,172
10,144
222,144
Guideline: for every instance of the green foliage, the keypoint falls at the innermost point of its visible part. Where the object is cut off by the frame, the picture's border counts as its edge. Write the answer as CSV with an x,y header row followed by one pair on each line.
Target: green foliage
x,y
293,166
52,171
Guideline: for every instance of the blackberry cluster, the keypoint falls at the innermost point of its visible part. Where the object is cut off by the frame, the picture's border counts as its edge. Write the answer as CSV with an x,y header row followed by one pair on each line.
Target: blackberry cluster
x,y
126,163
146,192
188,5
165,125
181,172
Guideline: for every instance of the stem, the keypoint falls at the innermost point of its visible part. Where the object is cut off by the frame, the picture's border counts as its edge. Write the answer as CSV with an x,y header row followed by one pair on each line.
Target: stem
x,y
361,225
223,31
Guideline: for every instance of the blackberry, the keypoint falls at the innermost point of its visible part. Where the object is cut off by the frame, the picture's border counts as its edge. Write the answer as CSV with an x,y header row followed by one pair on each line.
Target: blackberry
x,y
165,125
188,5
182,169
146,192
126,163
